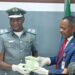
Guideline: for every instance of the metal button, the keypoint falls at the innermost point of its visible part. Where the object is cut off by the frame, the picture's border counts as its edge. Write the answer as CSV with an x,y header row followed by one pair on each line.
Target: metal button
x,y
21,60
21,50
20,41
5,73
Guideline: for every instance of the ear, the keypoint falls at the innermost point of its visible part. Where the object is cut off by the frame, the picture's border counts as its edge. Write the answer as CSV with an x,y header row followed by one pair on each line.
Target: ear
x,y
74,28
23,19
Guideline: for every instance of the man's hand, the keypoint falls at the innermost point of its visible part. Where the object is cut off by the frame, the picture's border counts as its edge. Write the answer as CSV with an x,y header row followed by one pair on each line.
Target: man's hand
x,y
43,61
20,68
65,71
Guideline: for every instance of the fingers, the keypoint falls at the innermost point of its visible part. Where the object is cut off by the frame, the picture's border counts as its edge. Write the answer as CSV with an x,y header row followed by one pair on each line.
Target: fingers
x,y
22,69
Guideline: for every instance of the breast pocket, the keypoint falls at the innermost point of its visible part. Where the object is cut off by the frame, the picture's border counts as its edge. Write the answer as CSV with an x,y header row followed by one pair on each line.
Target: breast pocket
x,y
26,44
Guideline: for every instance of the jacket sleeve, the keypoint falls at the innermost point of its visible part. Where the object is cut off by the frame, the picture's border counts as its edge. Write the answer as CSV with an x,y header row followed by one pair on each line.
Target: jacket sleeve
x,y
54,71
70,57
33,47
53,60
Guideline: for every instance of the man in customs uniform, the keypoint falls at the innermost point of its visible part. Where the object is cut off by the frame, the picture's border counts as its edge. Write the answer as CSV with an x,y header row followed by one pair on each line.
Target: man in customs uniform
x,y
15,44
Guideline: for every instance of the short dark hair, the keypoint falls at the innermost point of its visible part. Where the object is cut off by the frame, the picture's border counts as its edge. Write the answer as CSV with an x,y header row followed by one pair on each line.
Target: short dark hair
x,y
71,19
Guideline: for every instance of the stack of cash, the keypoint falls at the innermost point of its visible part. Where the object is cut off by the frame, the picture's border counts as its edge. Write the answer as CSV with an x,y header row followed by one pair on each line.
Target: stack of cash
x,y
31,63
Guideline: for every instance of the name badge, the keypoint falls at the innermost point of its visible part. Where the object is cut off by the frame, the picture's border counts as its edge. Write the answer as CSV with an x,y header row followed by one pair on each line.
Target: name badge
x,y
11,41
63,65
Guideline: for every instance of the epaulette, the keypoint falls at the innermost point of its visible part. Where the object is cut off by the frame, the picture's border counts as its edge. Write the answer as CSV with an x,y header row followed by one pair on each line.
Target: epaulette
x,y
3,31
32,31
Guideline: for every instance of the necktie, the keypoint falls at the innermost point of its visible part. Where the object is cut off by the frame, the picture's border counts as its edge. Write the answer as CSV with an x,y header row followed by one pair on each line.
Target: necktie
x,y
61,52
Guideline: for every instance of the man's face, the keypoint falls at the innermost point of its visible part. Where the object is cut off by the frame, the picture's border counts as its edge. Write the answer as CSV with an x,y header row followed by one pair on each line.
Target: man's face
x,y
16,23
66,29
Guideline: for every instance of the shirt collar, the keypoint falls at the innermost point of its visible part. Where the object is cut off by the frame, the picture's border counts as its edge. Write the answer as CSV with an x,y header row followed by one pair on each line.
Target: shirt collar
x,y
12,32
69,38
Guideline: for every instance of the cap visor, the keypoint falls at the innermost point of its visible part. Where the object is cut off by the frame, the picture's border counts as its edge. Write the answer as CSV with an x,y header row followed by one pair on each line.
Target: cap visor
x,y
15,16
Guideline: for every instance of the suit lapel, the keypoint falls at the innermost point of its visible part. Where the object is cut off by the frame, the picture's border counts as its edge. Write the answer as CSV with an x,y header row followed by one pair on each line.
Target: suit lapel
x,y
70,44
59,48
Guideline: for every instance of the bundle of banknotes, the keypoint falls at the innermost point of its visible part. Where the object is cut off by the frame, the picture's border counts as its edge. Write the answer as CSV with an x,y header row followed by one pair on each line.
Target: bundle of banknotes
x,y
31,63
